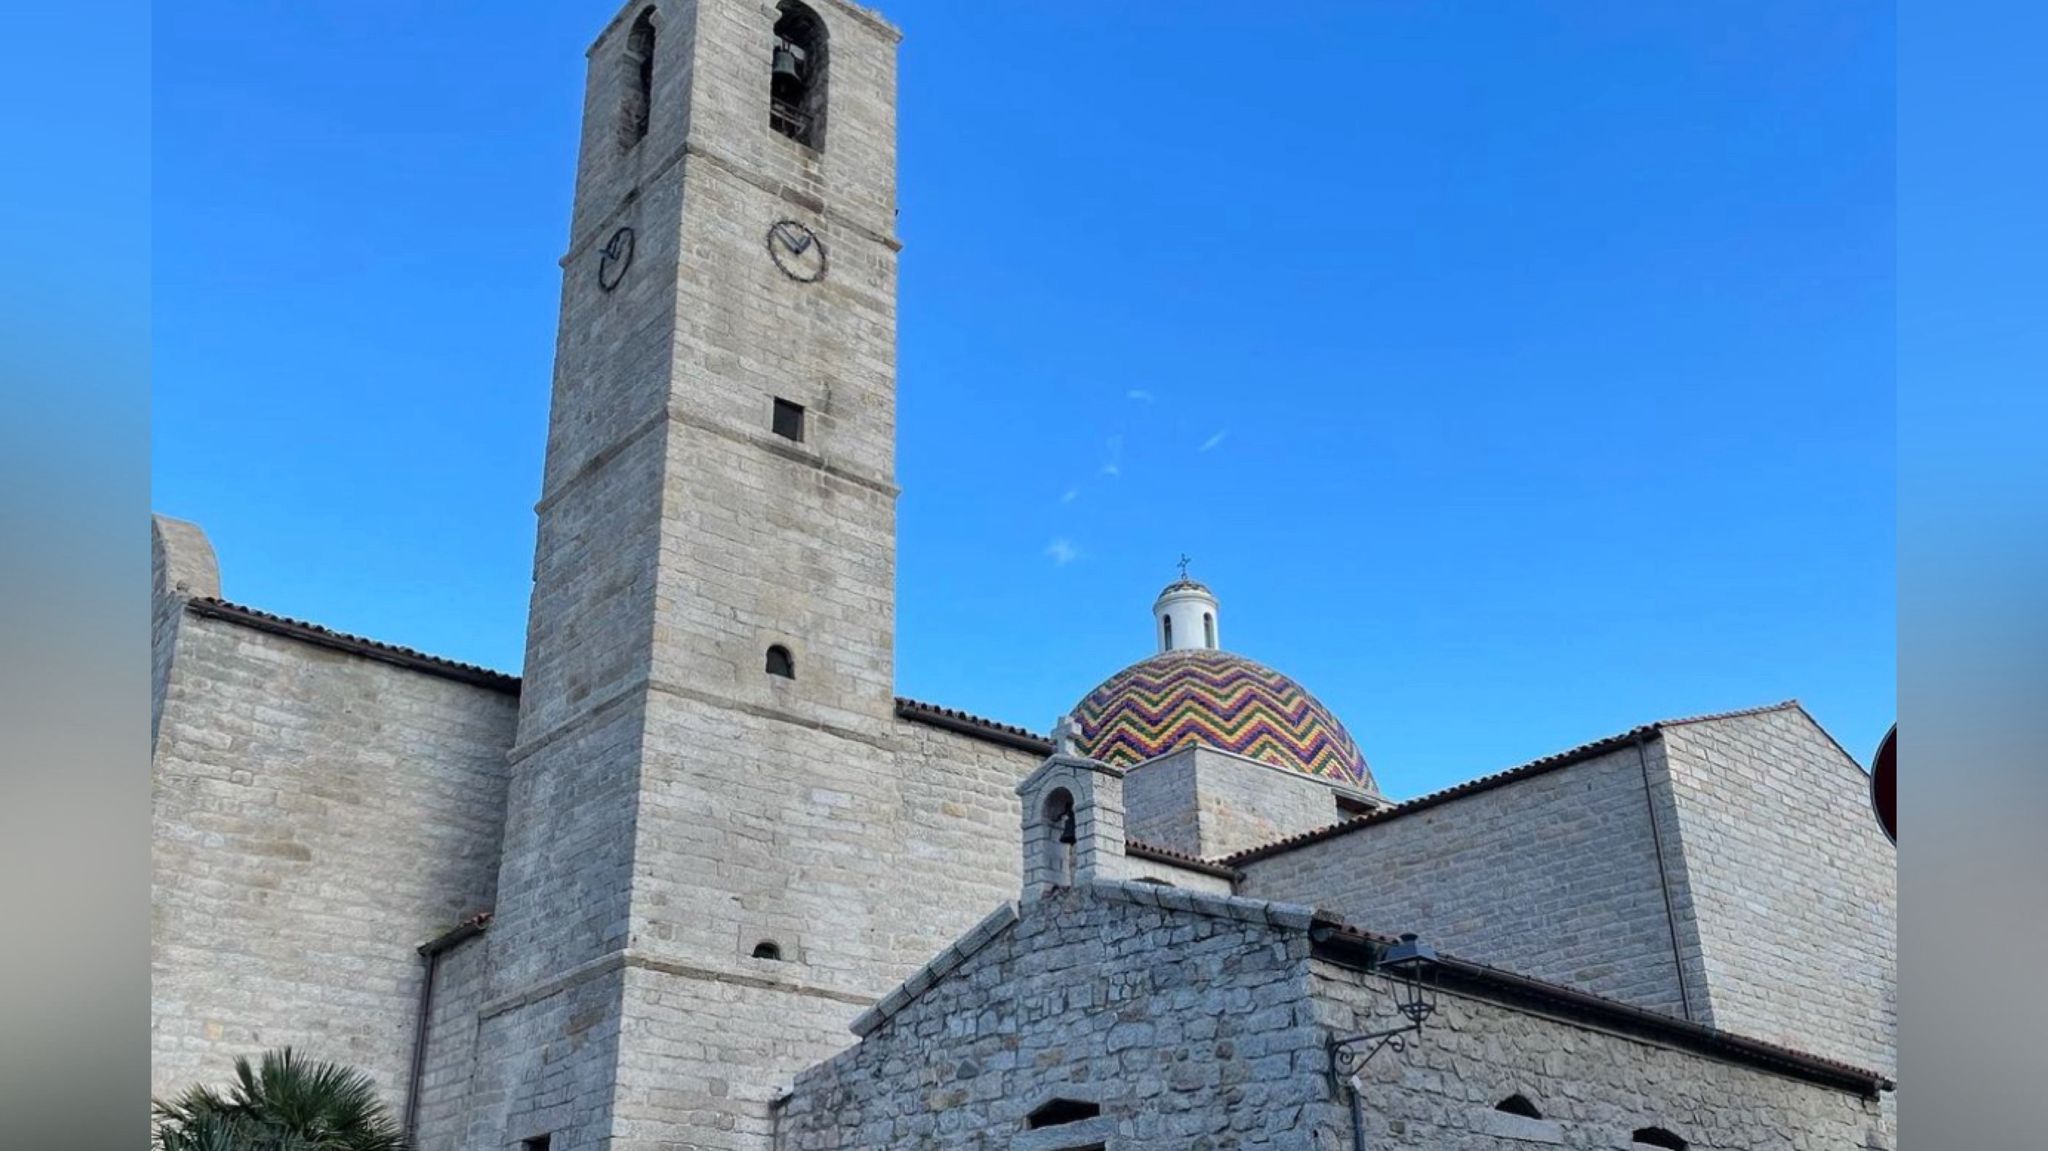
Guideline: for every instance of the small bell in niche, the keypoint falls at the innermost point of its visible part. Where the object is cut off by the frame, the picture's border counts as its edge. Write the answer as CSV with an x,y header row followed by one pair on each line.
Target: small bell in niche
x,y
790,72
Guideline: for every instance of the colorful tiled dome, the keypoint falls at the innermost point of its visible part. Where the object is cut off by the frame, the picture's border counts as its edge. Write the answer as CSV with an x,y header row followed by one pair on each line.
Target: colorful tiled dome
x,y
1213,698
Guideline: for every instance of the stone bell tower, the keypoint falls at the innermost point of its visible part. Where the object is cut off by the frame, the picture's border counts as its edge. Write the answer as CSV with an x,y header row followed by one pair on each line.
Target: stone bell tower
x,y
704,715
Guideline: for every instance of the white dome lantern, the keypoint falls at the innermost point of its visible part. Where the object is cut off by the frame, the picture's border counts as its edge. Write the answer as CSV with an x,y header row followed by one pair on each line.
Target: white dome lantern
x,y
1184,615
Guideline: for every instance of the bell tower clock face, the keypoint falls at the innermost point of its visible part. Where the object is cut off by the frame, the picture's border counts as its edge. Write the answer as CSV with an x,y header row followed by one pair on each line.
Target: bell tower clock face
x,y
797,251
615,259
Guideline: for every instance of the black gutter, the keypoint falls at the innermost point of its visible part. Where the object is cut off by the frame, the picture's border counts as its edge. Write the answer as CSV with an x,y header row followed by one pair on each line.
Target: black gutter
x,y
431,951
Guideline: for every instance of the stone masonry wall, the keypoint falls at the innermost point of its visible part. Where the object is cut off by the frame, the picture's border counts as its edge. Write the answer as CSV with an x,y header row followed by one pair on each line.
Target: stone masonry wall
x,y
1188,1031
460,983
1209,804
1554,876
1243,803
547,1063
1149,870
1794,886
182,566
1159,804
316,816
1201,1023
1593,1088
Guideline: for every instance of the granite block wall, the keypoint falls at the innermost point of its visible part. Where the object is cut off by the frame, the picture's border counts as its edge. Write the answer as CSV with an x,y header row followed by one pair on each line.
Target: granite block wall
x,y
1196,1022
1185,1030
182,567
1159,804
316,816
547,1060
1592,1088
1554,876
1793,885
461,980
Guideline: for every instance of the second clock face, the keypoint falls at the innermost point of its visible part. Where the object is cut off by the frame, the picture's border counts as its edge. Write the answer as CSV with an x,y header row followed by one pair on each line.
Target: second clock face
x,y
615,259
797,251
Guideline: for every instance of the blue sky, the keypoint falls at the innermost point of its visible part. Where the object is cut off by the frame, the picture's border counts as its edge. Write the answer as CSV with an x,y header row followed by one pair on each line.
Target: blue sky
x,y
1514,373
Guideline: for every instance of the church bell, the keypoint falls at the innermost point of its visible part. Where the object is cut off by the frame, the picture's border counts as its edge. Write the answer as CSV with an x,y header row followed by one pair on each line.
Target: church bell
x,y
788,65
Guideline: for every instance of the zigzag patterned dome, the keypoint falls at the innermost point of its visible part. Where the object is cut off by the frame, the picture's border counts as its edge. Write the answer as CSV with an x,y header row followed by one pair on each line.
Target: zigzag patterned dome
x,y
1211,698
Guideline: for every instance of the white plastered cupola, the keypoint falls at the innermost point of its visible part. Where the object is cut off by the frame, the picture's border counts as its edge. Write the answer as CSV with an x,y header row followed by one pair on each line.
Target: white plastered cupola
x,y
1184,617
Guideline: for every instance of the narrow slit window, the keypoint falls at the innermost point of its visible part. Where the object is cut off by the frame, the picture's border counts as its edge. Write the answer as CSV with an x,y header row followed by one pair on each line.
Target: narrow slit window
x,y
789,420
1208,630
1166,636
1657,1137
780,662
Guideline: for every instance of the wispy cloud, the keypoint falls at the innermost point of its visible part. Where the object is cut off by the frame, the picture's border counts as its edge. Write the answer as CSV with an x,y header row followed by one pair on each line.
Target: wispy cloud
x,y
1139,394
1062,551
1212,441
1113,465
1072,495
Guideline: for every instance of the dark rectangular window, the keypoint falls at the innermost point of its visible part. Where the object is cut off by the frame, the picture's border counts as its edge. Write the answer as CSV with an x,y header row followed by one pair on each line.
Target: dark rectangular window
x,y
1057,1112
789,420
537,1143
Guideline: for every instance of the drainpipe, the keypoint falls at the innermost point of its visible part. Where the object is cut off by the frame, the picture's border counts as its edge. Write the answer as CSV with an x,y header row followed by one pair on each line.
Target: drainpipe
x,y
1357,1116
431,951
1664,880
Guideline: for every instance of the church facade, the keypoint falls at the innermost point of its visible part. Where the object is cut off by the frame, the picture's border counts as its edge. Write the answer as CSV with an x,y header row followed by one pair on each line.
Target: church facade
x,y
697,879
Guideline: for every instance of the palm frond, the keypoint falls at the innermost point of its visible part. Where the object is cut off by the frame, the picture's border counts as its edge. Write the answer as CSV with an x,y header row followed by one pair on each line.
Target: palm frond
x,y
282,1103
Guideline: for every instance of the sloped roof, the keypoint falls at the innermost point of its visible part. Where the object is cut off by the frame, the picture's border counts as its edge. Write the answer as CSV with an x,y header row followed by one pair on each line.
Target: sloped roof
x,y
917,711
207,607
1138,849
1343,943
1346,943
968,724
1528,770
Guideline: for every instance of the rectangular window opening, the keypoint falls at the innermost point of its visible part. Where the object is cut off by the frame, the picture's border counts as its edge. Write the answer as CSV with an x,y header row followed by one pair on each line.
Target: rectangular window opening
x,y
537,1143
789,420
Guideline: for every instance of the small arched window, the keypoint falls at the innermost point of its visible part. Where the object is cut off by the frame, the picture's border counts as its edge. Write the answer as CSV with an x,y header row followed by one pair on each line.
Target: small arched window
x,y
1058,1112
768,949
1166,634
1657,1137
638,104
1209,629
1059,818
797,74
780,663
1518,1104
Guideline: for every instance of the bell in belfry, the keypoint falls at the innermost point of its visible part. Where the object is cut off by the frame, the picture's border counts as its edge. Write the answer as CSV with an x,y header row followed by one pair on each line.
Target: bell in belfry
x,y
788,67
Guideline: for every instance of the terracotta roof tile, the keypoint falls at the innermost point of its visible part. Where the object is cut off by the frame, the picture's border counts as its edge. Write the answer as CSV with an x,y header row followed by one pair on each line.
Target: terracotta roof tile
x,y
1142,850
1626,1016
1528,770
317,635
966,723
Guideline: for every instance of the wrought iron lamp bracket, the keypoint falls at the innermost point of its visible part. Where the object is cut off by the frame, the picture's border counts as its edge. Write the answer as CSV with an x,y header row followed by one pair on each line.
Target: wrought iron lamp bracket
x,y
1349,1053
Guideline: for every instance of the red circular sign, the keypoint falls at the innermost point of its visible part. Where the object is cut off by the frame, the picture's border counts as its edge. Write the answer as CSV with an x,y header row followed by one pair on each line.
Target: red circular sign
x,y
1884,785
